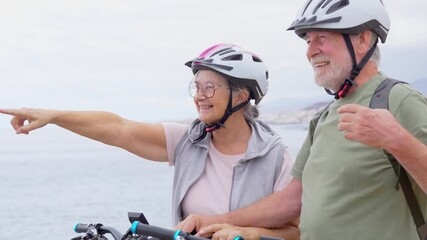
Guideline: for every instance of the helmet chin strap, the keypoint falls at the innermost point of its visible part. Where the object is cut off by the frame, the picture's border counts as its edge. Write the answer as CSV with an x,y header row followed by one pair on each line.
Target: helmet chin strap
x,y
349,82
230,110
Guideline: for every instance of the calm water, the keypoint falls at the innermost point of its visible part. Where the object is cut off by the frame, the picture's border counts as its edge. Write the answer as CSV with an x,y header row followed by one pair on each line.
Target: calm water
x,y
53,179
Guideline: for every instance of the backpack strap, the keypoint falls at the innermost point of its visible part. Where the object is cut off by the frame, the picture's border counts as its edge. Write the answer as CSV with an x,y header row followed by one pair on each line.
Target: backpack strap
x,y
380,100
380,97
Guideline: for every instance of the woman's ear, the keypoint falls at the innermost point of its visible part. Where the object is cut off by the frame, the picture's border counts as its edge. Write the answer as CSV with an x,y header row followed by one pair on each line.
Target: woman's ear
x,y
243,96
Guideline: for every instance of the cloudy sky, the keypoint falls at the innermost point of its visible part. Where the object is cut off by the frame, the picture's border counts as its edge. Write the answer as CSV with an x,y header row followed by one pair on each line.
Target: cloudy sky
x,y
128,56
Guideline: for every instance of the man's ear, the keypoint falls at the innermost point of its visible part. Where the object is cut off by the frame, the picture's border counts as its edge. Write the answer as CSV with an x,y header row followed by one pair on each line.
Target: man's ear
x,y
364,42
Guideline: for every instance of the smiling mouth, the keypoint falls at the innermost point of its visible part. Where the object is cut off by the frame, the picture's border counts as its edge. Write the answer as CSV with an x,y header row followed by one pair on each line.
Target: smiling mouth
x,y
320,64
205,107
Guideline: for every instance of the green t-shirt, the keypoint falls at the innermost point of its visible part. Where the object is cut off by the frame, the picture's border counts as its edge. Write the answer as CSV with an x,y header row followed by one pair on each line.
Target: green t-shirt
x,y
348,187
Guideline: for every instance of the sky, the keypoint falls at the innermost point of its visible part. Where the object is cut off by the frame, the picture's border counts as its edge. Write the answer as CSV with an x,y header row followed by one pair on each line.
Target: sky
x,y
128,57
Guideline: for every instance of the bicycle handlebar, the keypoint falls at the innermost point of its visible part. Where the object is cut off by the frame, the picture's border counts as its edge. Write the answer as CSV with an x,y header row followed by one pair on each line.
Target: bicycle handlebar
x,y
97,229
162,233
81,228
141,230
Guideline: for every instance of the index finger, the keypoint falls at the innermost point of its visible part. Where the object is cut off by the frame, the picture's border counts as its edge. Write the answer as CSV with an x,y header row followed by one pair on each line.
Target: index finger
x,y
13,112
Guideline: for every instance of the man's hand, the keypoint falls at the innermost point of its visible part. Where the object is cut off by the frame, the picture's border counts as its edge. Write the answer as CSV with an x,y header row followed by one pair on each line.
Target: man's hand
x,y
373,127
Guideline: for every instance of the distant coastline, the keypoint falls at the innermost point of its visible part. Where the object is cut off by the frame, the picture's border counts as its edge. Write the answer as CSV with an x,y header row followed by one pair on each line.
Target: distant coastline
x,y
303,115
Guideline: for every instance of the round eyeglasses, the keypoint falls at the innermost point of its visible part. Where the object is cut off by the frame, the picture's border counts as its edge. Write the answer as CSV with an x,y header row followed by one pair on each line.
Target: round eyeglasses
x,y
207,88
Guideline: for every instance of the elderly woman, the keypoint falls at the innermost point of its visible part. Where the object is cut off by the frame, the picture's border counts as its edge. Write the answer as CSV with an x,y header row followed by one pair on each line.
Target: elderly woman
x,y
223,160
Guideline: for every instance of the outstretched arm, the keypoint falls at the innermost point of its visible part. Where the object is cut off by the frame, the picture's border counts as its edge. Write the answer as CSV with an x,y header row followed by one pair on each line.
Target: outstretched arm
x,y
145,140
275,210
378,128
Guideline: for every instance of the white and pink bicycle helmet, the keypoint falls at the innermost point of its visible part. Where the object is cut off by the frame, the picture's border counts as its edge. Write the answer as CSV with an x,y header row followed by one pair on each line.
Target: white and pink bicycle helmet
x,y
238,66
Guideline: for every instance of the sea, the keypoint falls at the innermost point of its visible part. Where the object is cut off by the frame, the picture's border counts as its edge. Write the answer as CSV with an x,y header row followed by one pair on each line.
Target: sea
x,y
52,179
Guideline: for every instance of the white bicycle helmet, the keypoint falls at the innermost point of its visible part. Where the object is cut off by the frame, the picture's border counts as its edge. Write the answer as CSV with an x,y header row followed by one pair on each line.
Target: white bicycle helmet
x,y
238,66
345,16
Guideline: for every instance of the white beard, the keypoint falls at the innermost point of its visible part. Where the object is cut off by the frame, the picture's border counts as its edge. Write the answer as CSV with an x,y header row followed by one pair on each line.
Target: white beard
x,y
332,79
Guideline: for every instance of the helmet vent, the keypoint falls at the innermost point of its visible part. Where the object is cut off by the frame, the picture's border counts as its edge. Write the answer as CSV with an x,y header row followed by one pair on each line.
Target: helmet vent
x,y
226,51
256,59
235,57
311,20
220,52
319,5
326,3
337,6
